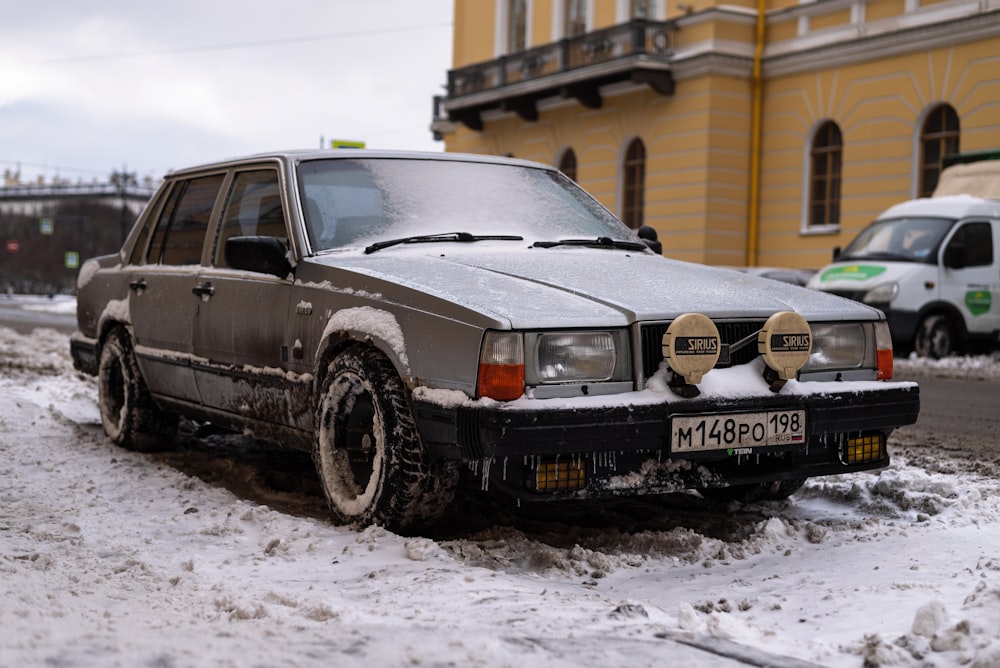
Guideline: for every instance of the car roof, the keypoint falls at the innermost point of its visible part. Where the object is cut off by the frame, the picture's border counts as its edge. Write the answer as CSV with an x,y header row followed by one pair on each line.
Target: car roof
x,y
948,206
302,155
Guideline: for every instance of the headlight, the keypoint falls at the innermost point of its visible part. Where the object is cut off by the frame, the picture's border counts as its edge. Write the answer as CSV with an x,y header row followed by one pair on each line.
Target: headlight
x,y
575,357
881,294
554,364
840,346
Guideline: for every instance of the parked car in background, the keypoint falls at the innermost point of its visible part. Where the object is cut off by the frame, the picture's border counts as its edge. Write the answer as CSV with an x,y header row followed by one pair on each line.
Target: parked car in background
x,y
783,274
931,264
409,317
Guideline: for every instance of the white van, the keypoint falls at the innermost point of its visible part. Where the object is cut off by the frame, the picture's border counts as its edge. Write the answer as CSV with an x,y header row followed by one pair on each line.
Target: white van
x,y
933,266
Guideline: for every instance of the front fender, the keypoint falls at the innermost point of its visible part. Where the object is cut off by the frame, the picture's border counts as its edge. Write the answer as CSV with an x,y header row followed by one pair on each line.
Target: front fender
x,y
365,324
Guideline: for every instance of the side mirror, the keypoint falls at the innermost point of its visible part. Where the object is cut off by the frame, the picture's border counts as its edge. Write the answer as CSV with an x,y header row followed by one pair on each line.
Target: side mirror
x,y
836,253
648,234
956,257
264,255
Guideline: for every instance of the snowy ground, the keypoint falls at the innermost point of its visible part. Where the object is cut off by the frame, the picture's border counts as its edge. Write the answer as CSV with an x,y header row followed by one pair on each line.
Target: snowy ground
x,y
197,558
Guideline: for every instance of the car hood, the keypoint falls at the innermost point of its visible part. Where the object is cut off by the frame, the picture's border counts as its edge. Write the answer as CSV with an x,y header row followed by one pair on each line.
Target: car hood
x,y
565,287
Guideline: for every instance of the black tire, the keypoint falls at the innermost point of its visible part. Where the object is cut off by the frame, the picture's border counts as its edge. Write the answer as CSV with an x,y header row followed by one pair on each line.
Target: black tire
x,y
936,337
776,490
369,457
130,418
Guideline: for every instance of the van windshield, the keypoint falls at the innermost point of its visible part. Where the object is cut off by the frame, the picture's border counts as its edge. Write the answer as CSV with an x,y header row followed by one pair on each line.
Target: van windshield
x,y
902,239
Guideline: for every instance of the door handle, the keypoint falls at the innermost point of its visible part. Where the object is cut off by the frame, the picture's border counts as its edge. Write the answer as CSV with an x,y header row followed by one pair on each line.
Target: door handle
x,y
203,289
138,285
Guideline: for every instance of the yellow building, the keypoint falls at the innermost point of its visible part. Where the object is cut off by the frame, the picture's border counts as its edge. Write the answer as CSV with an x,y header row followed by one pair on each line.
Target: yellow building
x,y
745,132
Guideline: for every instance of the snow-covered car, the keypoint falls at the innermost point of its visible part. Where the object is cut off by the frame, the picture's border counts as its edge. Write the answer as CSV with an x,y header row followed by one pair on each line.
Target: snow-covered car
x,y
412,317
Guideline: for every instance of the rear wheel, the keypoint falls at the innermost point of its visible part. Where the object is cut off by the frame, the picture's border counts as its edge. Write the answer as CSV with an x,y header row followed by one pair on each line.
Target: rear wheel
x,y
128,414
936,337
369,456
775,490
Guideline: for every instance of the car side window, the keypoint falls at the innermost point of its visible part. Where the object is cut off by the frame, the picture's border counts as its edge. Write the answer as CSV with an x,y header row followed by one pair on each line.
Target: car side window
x,y
977,240
180,230
253,209
138,255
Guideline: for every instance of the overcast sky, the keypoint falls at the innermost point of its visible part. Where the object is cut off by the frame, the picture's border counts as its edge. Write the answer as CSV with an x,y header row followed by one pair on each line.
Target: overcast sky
x,y
91,87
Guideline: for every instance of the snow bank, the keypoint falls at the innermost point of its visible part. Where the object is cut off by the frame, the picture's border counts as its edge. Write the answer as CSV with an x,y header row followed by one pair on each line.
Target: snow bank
x,y
109,557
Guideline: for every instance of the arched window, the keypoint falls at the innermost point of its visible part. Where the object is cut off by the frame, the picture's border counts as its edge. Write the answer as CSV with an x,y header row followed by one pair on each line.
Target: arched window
x,y
826,159
567,163
517,25
574,18
634,190
938,138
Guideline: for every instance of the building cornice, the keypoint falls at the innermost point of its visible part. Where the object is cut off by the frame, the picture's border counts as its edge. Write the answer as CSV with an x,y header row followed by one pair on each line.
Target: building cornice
x,y
858,43
713,63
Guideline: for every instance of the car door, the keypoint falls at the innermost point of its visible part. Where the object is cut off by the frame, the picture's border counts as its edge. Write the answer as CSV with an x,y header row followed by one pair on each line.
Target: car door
x,y
164,294
239,331
975,286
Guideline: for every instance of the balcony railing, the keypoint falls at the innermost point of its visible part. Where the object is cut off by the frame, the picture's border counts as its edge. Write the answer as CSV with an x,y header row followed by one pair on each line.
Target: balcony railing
x,y
640,51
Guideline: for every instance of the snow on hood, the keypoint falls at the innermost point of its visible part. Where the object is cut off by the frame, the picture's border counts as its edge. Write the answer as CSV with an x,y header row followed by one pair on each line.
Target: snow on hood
x,y
571,286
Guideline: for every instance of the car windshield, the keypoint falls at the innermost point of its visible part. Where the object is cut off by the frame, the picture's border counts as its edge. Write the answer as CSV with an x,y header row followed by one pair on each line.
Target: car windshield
x,y
358,202
913,239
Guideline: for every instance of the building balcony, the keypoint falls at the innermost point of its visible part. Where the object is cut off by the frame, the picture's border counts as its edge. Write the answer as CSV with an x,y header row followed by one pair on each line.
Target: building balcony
x,y
640,52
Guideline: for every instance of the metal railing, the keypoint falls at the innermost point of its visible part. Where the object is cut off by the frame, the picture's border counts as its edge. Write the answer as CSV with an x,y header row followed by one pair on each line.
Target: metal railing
x,y
638,37
59,191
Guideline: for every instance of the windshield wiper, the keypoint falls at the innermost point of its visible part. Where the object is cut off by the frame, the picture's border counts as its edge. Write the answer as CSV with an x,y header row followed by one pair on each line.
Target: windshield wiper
x,y
444,236
600,242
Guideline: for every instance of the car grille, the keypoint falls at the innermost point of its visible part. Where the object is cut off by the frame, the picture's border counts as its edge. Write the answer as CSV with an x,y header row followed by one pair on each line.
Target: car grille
x,y
651,337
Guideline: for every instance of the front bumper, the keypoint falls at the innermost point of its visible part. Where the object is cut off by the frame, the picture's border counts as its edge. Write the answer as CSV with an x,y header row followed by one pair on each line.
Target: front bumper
x,y
614,441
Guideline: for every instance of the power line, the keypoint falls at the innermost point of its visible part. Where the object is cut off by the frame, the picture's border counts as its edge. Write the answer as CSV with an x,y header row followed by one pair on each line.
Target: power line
x,y
232,46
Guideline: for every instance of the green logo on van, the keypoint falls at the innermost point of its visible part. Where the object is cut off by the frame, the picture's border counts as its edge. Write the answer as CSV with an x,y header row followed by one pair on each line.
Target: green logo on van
x,y
978,301
851,272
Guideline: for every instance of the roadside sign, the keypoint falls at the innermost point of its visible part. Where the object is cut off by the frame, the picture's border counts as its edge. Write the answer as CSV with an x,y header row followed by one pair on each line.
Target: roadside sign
x,y
72,260
46,226
13,246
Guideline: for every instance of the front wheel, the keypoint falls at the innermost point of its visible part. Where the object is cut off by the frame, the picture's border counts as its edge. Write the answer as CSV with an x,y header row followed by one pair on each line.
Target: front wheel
x,y
130,417
368,454
936,337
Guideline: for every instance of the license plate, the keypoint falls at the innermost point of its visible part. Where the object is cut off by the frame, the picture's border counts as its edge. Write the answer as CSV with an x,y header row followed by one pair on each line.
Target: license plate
x,y
694,433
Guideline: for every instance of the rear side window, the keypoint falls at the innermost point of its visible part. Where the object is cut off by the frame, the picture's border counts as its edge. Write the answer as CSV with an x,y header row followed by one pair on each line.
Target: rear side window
x,y
139,255
253,210
180,230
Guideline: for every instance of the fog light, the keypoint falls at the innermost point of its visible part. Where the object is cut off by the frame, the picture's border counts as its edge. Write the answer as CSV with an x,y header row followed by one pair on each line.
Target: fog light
x,y
560,476
865,449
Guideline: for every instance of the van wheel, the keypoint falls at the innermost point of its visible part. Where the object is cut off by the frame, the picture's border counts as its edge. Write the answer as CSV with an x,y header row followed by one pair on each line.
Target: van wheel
x,y
129,416
936,337
368,454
